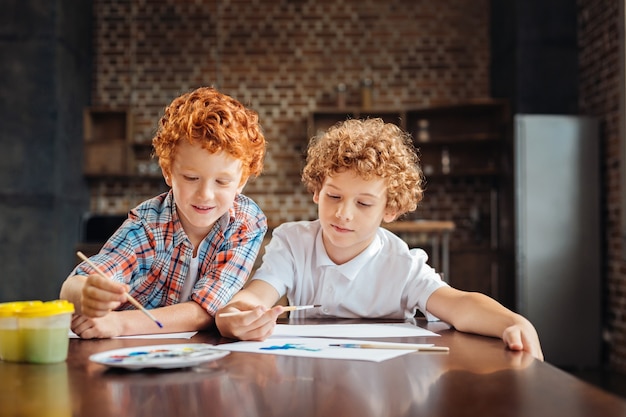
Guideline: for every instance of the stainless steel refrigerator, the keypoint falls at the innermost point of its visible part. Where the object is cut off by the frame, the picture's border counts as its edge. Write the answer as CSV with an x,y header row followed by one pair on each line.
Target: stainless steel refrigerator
x,y
558,249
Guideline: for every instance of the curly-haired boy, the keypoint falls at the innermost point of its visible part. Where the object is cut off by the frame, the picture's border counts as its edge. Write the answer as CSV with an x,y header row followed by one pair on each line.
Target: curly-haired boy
x,y
361,173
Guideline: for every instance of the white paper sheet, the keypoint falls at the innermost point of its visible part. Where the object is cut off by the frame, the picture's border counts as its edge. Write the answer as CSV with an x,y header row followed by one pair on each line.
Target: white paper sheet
x,y
311,347
351,330
181,335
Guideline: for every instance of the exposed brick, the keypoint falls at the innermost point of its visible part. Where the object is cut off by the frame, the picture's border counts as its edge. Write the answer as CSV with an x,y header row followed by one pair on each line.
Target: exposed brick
x,y
600,44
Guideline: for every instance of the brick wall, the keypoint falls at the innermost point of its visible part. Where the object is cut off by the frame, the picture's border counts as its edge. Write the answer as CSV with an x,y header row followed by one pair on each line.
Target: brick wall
x,y
284,58
600,92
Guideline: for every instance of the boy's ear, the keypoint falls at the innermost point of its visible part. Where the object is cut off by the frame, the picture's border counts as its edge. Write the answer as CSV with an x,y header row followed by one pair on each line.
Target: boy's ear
x,y
390,215
166,176
240,188
316,197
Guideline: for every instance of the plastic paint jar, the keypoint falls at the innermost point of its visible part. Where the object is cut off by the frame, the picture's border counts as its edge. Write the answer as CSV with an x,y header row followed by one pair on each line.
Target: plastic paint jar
x,y
10,341
44,331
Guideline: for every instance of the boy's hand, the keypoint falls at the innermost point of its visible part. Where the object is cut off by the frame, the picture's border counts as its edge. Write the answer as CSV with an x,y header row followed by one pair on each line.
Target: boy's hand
x,y
519,337
100,295
254,324
92,328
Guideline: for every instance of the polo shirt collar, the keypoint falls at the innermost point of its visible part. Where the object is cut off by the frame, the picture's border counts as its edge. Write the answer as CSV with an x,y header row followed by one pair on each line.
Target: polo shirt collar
x,y
351,268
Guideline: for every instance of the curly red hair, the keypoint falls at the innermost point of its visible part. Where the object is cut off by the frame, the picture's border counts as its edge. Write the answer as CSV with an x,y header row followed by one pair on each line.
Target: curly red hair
x,y
371,148
218,123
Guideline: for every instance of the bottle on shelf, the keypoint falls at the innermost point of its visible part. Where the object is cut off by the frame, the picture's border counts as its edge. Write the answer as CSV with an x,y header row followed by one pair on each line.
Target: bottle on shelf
x,y
445,161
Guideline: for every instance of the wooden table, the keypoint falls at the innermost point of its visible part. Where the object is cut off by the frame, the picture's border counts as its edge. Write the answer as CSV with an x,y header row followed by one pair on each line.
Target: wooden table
x,y
477,378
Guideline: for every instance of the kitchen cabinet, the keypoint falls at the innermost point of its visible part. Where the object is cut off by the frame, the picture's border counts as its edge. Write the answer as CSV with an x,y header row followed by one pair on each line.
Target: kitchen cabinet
x,y
119,170
105,134
110,151
465,153
462,140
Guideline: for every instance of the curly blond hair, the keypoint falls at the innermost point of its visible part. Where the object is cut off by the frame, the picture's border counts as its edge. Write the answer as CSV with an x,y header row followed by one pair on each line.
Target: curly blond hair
x,y
371,148
218,123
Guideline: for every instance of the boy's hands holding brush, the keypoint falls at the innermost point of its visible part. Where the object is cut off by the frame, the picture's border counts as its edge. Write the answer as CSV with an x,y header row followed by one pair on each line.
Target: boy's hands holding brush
x,y
247,322
249,315
93,295
96,299
99,296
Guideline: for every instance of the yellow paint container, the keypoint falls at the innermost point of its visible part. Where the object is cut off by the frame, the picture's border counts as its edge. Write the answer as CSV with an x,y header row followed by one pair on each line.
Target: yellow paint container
x,y
44,331
10,341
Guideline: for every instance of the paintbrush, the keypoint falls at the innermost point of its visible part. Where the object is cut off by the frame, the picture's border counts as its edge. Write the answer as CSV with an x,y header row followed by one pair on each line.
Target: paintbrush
x,y
128,296
399,346
286,308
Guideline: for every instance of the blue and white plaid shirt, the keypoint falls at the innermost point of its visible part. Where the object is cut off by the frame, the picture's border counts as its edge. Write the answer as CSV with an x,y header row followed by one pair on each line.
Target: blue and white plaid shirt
x,y
151,253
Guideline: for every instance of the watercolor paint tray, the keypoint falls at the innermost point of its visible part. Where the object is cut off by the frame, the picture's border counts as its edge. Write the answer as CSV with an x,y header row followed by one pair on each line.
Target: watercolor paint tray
x,y
159,356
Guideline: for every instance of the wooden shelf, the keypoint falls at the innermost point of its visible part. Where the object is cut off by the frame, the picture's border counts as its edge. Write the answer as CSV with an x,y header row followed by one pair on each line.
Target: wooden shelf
x,y
474,119
474,139
109,149
106,124
322,119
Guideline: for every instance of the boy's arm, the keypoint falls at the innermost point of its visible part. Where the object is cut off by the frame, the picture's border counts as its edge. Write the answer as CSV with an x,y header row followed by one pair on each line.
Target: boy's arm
x,y
473,312
256,293
248,315
182,317
71,290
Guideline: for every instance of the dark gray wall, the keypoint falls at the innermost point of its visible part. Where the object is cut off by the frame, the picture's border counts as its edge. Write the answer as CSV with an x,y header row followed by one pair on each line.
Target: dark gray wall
x,y
534,55
44,85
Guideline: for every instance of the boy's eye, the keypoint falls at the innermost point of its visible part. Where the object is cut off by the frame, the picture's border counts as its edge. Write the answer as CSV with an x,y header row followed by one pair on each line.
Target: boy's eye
x,y
223,182
364,204
334,197
189,178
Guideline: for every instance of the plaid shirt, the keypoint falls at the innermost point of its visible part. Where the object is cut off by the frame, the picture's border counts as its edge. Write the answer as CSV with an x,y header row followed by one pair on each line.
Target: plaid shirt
x,y
151,253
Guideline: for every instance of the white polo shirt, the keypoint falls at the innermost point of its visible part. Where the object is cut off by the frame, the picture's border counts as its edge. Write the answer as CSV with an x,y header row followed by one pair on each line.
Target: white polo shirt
x,y
387,280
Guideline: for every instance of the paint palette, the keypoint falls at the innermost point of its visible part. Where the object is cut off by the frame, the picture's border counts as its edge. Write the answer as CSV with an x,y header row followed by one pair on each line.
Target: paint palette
x,y
159,356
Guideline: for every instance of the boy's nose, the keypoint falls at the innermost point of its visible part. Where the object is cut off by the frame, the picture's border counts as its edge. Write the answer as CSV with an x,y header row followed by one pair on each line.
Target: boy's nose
x,y
206,191
343,212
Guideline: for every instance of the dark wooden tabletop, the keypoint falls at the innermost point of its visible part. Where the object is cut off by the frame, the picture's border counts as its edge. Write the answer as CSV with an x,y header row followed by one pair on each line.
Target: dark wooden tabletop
x,y
478,377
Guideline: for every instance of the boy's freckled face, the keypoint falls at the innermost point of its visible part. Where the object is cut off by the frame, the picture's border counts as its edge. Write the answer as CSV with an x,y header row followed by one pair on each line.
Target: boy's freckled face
x,y
204,186
350,210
